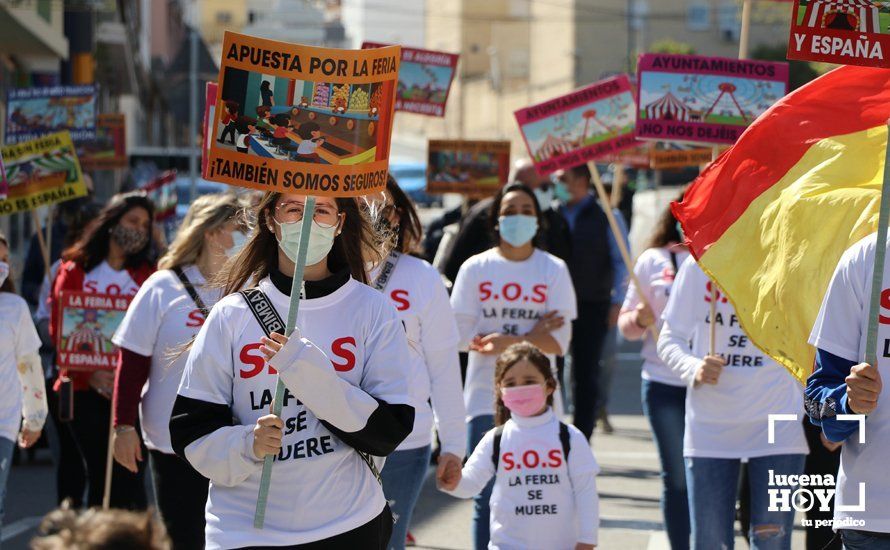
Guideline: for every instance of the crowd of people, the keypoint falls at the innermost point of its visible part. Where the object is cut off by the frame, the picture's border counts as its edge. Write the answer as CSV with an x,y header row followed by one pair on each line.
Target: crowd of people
x,y
475,363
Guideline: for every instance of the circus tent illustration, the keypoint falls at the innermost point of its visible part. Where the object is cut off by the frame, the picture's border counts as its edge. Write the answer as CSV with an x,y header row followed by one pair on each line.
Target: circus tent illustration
x,y
668,107
87,337
553,147
849,15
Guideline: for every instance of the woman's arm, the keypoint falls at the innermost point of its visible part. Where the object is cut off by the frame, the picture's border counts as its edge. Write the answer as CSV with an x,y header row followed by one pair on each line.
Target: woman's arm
x,y
130,377
374,418
34,407
447,397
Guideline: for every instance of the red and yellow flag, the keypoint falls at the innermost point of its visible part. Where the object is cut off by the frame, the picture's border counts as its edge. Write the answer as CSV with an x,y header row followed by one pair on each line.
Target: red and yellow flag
x,y
769,220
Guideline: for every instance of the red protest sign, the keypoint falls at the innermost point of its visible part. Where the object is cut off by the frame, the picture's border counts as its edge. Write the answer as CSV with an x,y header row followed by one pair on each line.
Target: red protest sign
x,y
425,78
580,126
88,324
209,114
840,31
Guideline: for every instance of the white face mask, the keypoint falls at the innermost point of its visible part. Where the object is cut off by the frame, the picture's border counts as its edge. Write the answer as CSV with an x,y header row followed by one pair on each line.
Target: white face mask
x,y
239,239
4,272
545,198
321,239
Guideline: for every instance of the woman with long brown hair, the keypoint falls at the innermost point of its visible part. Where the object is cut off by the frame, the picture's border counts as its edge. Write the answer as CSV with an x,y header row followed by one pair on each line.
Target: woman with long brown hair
x,y
416,290
22,397
347,371
113,257
165,315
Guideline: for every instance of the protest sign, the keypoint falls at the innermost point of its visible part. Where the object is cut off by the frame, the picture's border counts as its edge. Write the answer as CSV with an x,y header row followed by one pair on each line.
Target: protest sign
x,y
634,157
162,192
852,32
34,112
109,149
580,126
41,171
300,119
667,159
425,78
210,92
469,167
696,99
88,323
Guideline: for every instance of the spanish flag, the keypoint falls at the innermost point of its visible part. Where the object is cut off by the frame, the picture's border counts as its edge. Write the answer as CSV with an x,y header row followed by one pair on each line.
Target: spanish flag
x,y
769,219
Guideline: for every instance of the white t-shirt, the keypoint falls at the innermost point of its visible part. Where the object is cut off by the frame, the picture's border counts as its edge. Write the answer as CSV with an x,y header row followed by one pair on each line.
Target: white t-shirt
x,y
162,318
656,272
105,280
416,290
321,487
18,339
728,419
841,329
493,294
540,500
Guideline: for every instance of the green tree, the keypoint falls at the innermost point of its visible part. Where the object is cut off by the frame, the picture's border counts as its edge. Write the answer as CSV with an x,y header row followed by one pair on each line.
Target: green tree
x,y
669,45
799,72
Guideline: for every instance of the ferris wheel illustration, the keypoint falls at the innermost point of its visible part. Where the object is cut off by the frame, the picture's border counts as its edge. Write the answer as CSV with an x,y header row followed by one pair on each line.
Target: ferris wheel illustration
x,y
727,88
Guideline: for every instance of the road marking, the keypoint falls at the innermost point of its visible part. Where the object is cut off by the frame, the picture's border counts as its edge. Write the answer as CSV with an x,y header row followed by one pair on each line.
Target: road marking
x,y
16,528
658,541
649,455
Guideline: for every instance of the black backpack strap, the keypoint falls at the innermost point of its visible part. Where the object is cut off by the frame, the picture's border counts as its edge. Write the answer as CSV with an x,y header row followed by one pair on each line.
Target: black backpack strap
x,y
386,270
496,449
263,311
267,316
566,439
190,289
674,261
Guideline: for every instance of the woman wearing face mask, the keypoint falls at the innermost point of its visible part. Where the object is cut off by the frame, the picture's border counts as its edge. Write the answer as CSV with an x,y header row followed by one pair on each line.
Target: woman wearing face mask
x,y
112,257
165,315
416,290
22,397
511,293
530,443
663,390
346,368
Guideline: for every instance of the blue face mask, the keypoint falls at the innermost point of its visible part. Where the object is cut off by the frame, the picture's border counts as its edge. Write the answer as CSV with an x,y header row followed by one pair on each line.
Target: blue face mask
x,y
518,229
560,191
680,232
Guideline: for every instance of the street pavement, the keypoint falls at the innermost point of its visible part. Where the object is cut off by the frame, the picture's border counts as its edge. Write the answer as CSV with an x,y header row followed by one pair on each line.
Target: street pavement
x,y
629,486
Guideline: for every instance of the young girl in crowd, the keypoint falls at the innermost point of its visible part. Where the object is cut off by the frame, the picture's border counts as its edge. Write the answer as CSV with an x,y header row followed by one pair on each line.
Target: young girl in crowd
x,y
510,293
347,371
112,257
545,473
416,290
22,396
730,395
165,315
663,391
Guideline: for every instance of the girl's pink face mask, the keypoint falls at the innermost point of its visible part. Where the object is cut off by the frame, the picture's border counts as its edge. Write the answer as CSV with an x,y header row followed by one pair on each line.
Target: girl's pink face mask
x,y
524,400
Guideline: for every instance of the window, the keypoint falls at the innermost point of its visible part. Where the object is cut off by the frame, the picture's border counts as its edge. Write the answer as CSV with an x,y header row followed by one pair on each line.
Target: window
x,y
223,17
728,21
698,16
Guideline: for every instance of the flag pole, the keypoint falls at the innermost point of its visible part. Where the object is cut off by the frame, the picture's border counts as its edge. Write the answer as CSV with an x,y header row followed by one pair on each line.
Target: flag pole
x,y
877,274
259,517
712,335
44,250
109,464
619,237
745,31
